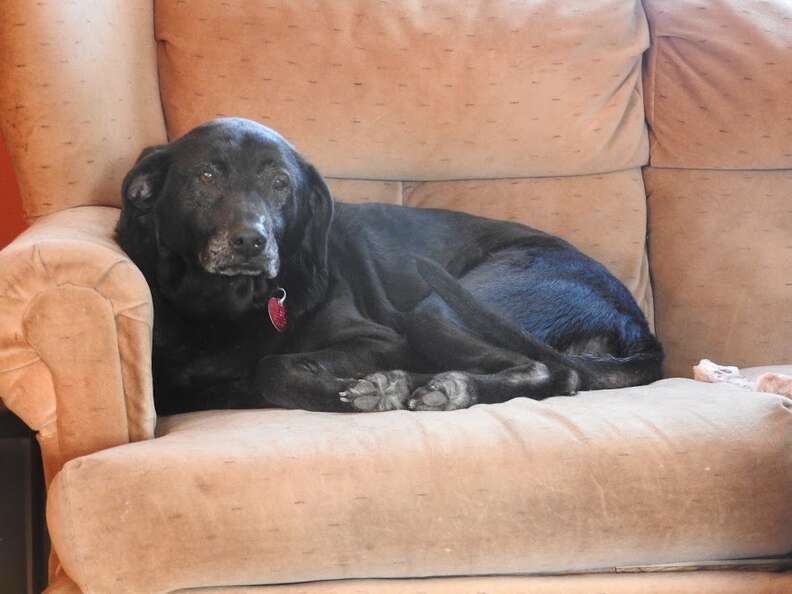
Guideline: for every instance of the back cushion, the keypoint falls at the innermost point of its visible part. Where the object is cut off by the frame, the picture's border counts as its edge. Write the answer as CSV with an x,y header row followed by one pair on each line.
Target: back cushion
x,y
719,101
405,90
430,104
719,83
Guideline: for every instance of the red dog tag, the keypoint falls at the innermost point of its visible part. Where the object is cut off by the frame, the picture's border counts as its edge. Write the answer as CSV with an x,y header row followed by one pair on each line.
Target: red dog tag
x,y
276,307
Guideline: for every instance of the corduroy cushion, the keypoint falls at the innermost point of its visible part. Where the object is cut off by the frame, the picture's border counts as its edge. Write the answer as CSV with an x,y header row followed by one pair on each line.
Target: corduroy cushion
x,y
404,91
719,82
721,257
676,471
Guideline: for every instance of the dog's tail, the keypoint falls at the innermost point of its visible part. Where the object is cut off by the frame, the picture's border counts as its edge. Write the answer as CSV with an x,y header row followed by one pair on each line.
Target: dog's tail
x,y
641,366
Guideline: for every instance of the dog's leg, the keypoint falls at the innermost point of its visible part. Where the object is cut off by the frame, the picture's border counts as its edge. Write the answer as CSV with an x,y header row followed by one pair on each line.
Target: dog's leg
x,y
309,381
486,373
316,380
491,374
448,345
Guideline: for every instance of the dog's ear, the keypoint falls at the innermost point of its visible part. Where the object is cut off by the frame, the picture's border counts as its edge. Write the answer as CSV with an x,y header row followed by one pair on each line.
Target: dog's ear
x,y
306,274
145,180
319,203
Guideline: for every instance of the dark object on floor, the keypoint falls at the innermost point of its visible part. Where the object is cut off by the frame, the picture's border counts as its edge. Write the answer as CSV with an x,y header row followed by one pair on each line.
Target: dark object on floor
x,y
24,544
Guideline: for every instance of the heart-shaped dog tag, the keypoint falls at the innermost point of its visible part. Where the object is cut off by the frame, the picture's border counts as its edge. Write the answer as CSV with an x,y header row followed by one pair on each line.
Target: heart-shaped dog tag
x,y
276,307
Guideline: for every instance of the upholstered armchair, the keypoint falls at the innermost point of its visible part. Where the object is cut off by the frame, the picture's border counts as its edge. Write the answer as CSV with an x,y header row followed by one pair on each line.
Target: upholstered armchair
x,y
531,111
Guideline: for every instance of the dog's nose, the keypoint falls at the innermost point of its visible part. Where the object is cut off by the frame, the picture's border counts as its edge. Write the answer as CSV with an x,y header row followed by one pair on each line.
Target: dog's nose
x,y
247,241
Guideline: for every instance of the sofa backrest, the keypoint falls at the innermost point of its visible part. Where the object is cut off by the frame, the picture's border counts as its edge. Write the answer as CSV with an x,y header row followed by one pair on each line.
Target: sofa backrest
x,y
530,111
719,104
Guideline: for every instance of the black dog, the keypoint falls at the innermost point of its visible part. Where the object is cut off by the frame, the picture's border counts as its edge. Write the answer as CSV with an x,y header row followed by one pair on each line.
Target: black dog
x,y
386,307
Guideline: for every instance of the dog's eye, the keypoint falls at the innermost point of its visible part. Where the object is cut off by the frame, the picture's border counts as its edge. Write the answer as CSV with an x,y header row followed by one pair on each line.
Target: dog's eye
x,y
206,176
281,182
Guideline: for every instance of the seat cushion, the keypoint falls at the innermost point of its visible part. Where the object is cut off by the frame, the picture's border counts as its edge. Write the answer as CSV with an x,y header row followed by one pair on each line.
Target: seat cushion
x,y
688,582
675,471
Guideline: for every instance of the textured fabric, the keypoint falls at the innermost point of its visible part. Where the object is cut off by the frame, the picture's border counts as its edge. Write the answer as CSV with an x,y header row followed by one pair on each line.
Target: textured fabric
x,y
404,90
78,97
719,83
363,190
676,471
648,583
76,319
721,257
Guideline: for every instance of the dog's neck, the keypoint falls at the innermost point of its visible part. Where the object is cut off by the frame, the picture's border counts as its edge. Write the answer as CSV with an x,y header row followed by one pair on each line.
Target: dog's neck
x,y
306,283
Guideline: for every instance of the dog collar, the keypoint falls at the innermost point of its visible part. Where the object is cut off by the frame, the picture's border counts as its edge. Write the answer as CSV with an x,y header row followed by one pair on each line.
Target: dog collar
x,y
276,308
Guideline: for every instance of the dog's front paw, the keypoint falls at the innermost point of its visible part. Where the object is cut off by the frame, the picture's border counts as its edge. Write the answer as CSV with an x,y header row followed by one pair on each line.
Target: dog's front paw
x,y
384,390
445,391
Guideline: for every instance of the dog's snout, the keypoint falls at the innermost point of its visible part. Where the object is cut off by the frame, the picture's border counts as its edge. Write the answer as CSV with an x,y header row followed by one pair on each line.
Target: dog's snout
x,y
247,241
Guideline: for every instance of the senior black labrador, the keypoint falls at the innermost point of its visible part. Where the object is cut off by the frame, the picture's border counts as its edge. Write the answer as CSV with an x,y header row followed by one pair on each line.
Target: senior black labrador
x,y
267,294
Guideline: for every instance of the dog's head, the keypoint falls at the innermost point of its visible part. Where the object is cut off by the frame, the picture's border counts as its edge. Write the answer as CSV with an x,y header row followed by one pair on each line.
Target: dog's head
x,y
226,208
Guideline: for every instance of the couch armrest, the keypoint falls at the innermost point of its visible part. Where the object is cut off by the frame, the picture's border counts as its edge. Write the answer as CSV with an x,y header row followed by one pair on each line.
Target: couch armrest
x,y
75,336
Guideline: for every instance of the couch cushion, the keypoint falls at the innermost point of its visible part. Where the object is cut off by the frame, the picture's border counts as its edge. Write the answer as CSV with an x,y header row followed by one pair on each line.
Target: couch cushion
x,y
407,90
687,582
718,82
676,471
721,256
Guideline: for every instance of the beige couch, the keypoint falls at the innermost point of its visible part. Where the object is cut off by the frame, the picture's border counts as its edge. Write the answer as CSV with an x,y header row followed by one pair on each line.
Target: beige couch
x,y
532,111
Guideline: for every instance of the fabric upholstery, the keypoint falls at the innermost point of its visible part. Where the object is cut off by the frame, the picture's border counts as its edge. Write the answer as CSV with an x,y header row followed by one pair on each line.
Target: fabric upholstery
x,y
709,582
655,474
76,314
718,84
721,257
399,98
406,91
79,97
364,190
